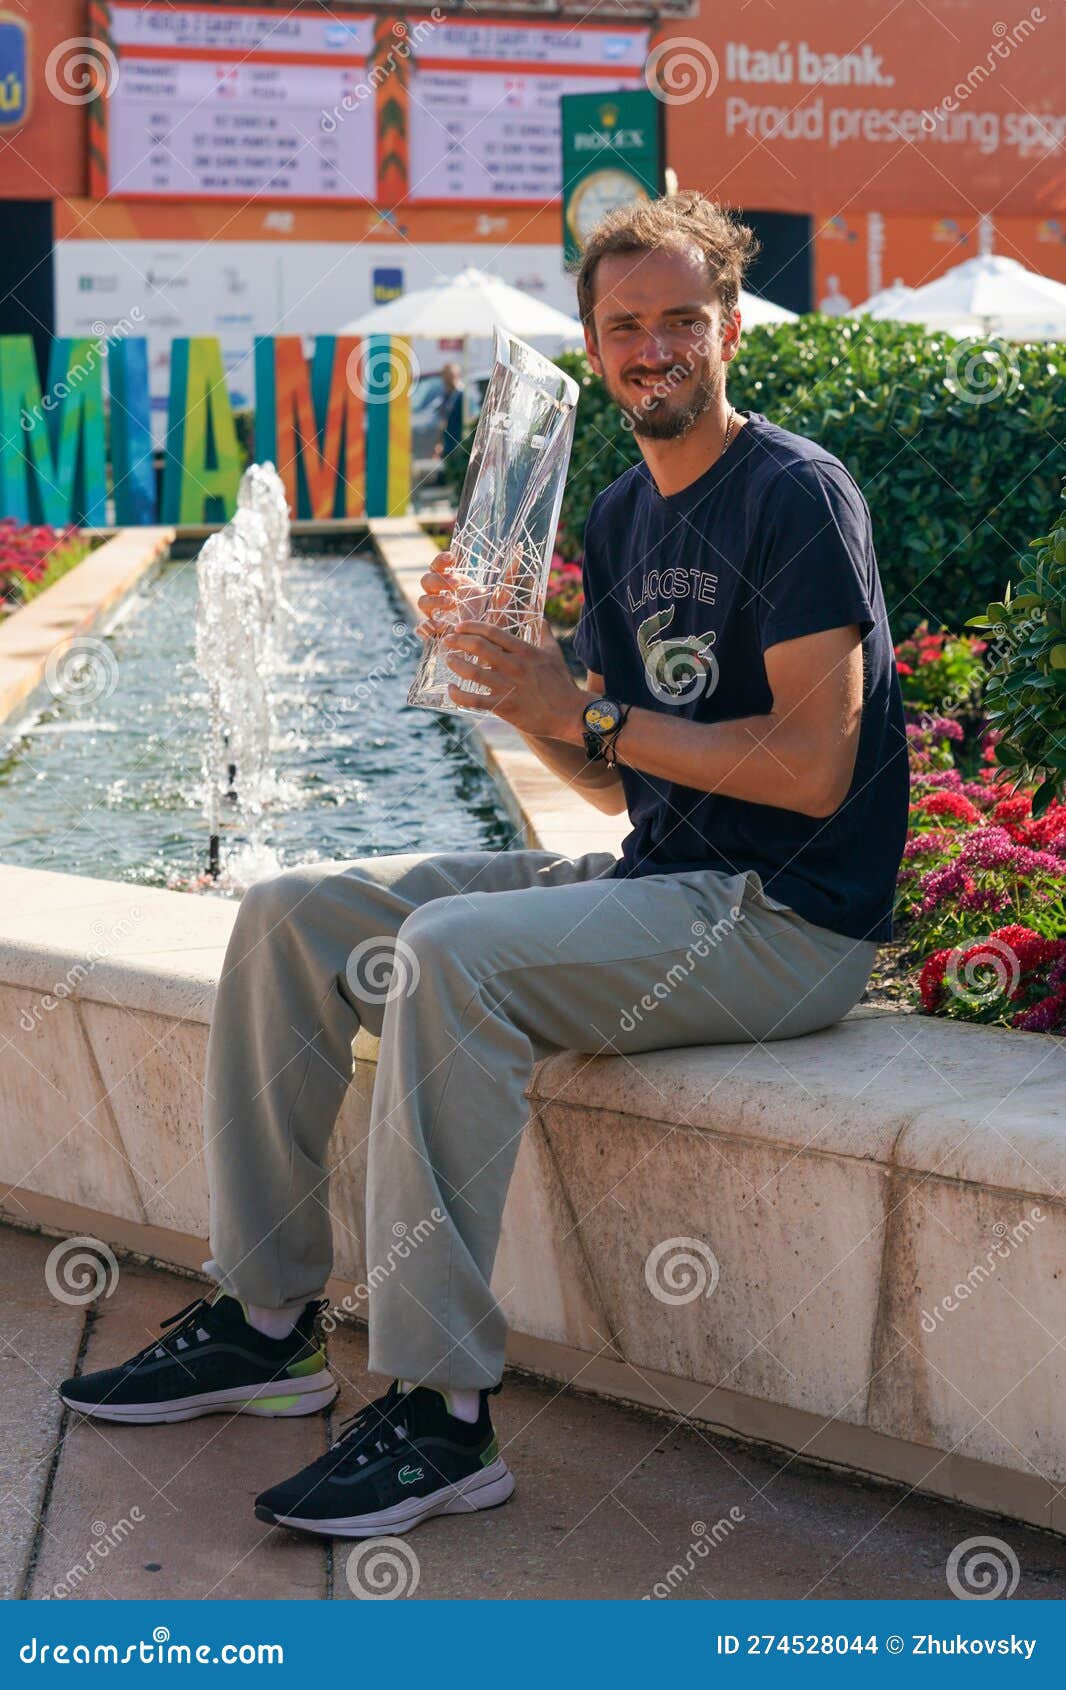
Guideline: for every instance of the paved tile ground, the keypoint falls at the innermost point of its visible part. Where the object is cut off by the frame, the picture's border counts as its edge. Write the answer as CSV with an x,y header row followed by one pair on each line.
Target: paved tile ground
x,y
609,1503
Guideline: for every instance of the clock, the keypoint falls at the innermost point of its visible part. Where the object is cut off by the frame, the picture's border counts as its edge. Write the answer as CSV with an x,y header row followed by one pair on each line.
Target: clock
x,y
596,194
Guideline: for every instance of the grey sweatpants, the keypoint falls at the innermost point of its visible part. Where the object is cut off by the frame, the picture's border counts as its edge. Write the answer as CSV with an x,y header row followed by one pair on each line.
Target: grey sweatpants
x,y
469,967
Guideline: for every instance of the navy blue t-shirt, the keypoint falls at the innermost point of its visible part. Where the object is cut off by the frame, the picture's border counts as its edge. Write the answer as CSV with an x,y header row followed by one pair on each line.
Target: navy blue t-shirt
x,y
683,595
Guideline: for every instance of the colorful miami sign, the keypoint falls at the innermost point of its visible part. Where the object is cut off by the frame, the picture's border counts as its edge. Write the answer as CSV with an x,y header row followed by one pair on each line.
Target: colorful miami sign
x,y
337,426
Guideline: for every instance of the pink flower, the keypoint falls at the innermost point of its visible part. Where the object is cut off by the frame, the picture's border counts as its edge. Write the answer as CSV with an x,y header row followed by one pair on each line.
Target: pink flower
x,y
1047,1016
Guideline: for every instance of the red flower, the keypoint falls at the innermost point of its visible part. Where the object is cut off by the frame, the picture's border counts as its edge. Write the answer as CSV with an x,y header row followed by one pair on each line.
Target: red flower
x,y
931,981
949,804
1031,949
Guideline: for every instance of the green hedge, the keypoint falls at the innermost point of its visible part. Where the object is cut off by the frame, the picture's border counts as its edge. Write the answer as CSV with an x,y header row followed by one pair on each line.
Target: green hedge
x,y
1026,692
956,481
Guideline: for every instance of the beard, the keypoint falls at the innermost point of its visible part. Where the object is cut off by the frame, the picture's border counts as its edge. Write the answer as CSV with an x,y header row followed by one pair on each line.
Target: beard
x,y
665,416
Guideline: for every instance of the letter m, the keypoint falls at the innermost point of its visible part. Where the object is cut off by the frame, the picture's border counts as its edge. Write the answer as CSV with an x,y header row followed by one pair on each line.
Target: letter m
x,y
52,447
311,423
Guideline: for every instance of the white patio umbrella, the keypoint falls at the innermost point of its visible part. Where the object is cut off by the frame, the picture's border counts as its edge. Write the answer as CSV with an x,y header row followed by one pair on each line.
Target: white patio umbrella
x,y
755,310
884,304
467,307
990,294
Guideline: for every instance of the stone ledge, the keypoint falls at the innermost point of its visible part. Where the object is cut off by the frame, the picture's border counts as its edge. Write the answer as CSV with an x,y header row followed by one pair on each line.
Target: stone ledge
x,y
840,1196
872,1087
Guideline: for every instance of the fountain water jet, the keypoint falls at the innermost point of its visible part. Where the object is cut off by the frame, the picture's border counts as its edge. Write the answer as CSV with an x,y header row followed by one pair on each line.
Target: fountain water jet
x,y
238,636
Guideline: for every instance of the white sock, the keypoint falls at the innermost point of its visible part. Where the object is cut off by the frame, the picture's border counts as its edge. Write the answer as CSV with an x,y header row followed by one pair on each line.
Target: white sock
x,y
272,1323
464,1405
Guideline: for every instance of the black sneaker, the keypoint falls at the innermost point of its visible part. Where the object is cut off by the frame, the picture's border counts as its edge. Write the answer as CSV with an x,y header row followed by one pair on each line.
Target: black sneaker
x,y
211,1361
401,1459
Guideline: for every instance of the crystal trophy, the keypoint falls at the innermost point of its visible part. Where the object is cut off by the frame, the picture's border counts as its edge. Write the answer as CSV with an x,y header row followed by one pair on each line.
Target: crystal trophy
x,y
508,511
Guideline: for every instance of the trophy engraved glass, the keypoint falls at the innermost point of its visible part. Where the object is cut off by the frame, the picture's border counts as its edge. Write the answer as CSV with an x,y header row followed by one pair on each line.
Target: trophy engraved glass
x,y
508,511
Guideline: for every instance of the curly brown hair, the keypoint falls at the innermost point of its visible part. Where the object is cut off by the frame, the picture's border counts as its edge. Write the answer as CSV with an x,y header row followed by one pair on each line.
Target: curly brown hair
x,y
686,218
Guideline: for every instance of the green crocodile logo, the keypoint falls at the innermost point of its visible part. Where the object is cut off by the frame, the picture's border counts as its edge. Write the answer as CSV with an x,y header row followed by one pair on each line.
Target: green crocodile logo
x,y
678,668
410,1475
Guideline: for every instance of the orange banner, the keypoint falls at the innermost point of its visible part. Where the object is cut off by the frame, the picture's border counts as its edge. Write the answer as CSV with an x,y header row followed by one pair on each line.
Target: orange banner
x,y
130,220
905,108
855,256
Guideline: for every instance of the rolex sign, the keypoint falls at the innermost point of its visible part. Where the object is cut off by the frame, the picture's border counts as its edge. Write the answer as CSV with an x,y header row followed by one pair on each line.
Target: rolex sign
x,y
612,153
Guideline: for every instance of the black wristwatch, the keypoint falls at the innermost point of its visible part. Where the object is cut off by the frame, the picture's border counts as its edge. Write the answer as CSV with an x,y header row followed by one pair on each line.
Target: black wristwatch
x,y
603,720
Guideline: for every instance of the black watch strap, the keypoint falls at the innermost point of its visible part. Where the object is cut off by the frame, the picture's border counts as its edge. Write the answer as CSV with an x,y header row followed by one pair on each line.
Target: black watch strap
x,y
610,754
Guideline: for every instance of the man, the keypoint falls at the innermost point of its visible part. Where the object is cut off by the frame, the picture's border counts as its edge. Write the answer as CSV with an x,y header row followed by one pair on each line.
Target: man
x,y
450,412
744,709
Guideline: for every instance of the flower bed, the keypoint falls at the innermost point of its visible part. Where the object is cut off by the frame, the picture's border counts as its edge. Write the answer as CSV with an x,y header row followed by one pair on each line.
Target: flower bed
x,y
1012,975
32,558
981,911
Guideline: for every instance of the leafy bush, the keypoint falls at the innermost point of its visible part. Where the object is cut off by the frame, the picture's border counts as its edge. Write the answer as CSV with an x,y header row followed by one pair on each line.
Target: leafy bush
x,y
1026,693
954,447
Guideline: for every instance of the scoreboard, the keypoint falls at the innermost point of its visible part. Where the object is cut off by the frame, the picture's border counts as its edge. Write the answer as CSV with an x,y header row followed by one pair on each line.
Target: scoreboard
x,y
224,103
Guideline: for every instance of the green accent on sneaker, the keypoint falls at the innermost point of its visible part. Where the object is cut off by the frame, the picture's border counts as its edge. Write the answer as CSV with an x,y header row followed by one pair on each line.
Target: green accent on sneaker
x,y
488,1455
310,1364
410,1475
273,1402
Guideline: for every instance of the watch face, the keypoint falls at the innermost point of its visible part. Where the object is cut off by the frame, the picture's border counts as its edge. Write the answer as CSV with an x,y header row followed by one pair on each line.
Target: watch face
x,y
596,195
602,716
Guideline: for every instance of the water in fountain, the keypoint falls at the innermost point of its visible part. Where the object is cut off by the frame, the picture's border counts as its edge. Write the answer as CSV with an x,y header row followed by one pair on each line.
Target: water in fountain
x,y
238,633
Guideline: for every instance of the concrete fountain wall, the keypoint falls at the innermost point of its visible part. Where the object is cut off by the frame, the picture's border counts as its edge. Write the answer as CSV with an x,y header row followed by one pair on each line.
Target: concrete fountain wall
x,y
877,1212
